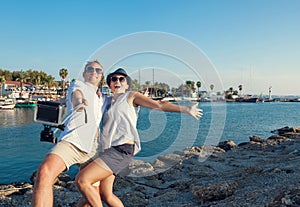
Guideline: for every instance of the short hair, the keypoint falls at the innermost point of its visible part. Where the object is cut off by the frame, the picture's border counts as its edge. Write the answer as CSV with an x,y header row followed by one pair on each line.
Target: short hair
x,y
90,62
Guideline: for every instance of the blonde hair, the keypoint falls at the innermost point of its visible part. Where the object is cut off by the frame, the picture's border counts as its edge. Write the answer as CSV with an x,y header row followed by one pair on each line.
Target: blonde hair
x,y
90,62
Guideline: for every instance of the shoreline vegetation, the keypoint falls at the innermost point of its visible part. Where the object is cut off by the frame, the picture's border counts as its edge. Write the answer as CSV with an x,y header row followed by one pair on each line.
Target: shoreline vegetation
x,y
261,172
37,85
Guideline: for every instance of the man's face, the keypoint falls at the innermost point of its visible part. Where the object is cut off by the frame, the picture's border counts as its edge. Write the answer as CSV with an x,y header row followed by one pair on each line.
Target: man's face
x,y
93,73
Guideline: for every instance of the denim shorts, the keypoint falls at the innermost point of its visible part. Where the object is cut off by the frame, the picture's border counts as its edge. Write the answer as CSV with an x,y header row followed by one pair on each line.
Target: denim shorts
x,y
118,157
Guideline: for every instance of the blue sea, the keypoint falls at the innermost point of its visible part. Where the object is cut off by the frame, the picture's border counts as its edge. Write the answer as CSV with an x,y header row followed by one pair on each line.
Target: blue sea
x,y
21,150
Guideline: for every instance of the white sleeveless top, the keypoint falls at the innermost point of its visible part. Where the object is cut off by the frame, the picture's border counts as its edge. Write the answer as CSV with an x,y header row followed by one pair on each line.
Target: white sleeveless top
x,y
119,123
82,128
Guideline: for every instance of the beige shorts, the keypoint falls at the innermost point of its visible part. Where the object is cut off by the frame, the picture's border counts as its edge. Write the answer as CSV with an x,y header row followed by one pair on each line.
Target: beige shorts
x,y
71,154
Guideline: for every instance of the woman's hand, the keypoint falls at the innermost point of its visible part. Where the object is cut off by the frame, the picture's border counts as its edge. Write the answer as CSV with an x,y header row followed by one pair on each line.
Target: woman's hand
x,y
195,112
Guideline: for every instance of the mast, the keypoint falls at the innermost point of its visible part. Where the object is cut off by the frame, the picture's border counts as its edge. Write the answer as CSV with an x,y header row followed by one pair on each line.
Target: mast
x,y
139,80
153,80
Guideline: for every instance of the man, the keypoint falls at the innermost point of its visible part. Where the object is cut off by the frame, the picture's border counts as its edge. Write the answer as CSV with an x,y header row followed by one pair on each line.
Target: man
x,y
79,141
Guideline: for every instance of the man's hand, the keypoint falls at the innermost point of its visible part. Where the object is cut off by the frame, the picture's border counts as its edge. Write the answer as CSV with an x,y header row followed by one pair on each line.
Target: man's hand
x,y
77,99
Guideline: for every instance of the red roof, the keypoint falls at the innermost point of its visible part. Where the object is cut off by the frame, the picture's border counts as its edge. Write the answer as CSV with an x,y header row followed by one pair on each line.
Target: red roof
x,y
17,83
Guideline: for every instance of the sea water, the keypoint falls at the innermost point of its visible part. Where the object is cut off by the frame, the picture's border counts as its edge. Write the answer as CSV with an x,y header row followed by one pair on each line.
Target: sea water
x,y
161,133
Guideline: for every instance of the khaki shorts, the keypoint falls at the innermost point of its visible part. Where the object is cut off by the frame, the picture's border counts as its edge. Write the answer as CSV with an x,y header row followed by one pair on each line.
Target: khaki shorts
x,y
71,154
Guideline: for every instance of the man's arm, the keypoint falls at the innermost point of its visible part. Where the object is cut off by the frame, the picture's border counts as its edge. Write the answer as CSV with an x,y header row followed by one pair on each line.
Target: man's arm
x,y
77,99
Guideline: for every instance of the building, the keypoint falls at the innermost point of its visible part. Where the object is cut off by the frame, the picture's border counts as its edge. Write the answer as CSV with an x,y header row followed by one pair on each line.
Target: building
x,y
12,89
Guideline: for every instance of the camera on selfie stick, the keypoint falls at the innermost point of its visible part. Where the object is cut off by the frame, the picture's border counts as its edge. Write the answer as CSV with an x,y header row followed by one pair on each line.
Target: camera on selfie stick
x,y
50,114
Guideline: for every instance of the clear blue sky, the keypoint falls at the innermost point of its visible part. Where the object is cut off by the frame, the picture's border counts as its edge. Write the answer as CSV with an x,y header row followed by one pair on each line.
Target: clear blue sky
x,y
250,42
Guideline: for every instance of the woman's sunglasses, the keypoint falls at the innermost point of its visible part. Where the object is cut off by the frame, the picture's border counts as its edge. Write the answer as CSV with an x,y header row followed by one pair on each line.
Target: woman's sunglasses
x,y
115,79
91,70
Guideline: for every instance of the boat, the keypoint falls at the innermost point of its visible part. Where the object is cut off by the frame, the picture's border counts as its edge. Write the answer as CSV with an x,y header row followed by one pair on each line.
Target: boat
x,y
2,101
25,103
172,99
7,104
156,98
247,99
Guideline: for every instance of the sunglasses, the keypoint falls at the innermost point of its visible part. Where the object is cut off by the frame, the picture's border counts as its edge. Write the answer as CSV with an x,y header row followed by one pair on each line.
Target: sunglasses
x,y
115,79
91,70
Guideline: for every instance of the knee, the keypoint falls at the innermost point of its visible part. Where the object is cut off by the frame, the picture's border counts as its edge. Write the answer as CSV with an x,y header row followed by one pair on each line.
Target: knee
x,y
81,182
107,197
44,174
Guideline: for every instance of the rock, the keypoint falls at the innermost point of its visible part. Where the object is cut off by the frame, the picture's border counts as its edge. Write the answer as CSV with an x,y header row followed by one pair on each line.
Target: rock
x,y
227,145
167,161
136,199
275,139
283,130
140,168
289,198
297,129
257,139
214,191
261,172
292,135
62,179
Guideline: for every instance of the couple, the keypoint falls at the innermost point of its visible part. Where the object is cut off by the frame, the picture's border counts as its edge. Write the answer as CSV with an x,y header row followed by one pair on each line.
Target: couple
x,y
79,142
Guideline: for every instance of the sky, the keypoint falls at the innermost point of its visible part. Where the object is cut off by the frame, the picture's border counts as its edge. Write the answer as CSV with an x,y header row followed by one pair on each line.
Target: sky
x,y
253,43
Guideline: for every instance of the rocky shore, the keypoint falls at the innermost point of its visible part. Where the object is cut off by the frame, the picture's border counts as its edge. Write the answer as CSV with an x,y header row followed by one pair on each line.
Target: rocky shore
x,y
261,172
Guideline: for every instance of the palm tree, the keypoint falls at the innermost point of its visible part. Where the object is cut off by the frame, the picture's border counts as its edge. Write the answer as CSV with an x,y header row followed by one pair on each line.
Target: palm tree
x,y
191,86
240,89
22,77
7,74
2,80
135,85
229,93
173,91
37,80
156,87
49,81
63,73
198,84
165,88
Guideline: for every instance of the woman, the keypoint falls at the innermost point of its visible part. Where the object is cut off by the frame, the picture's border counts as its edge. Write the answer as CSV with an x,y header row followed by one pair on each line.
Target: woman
x,y
120,137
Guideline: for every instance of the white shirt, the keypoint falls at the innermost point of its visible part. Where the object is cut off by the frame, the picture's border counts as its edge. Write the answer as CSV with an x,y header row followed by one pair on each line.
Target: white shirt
x,y
81,128
119,124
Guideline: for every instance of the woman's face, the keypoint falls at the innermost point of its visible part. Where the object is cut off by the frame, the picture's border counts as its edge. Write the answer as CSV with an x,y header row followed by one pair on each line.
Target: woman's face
x,y
93,73
118,84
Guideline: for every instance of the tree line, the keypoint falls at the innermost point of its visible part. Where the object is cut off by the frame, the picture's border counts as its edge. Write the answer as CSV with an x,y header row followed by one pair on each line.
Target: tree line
x,y
35,77
41,78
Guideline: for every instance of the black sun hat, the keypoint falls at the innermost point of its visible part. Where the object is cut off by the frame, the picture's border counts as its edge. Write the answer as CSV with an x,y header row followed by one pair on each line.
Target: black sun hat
x,y
119,71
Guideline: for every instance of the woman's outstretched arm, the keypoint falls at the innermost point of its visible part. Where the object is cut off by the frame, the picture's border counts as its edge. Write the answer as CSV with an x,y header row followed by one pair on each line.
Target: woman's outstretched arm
x,y
139,99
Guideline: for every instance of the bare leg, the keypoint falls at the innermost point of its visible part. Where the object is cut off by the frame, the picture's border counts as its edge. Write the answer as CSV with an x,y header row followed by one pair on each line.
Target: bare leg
x,y
83,202
95,171
48,171
106,192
